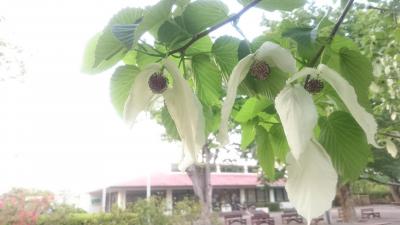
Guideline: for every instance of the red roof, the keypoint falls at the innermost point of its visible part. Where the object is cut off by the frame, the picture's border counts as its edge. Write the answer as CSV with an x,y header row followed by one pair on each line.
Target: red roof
x,y
177,179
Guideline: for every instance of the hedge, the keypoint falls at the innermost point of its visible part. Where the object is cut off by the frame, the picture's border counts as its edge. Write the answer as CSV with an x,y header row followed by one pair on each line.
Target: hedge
x,y
90,219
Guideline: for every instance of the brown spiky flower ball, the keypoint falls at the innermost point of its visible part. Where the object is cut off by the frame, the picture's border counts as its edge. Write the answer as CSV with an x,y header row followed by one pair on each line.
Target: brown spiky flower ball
x,y
314,86
158,83
260,70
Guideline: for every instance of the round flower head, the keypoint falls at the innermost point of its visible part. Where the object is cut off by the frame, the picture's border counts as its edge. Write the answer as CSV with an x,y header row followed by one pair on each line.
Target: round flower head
x,y
259,65
182,104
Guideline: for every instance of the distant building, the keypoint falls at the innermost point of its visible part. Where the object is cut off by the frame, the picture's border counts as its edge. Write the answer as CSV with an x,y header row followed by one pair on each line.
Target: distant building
x,y
232,185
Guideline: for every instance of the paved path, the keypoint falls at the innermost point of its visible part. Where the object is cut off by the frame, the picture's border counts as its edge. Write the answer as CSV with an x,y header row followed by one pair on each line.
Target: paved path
x,y
390,215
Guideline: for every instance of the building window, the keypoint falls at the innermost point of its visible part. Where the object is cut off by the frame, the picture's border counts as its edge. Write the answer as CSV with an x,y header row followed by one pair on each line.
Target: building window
x,y
111,199
226,198
258,197
232,169
252,169
179,195
280,195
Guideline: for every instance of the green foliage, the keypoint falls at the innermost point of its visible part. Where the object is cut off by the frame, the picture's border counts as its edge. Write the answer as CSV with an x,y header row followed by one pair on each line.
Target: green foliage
x,y
306,44
286,5
225,50
120,85
207,80
89,219
248,134
251,108
273,206
346,144
265,152
150,212
202,14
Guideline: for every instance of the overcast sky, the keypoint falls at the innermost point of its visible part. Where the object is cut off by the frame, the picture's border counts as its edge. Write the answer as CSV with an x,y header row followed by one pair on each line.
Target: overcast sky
x,y
58,129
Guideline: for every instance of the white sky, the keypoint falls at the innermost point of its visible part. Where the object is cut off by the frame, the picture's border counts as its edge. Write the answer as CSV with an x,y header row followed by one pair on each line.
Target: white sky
x,y
58,129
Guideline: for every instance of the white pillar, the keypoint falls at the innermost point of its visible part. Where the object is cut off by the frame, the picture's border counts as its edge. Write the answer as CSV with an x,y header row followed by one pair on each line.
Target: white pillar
x,y
271,195
169,200
121,199
103,199
242,196
218,168
246,168
148,186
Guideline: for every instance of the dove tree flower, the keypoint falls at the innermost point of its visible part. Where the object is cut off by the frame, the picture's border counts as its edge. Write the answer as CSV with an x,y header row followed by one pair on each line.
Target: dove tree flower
x,y
311,183
258,65
183,106
348,95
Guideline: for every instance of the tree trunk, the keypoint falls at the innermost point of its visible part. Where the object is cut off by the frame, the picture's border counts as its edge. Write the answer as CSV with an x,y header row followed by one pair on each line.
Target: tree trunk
x,y
347,203
200,176
395,190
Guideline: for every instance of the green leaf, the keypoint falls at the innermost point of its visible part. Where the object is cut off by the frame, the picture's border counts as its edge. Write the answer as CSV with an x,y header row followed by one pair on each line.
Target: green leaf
x,y
169,125
346,144
120,85
279,142
108,47
225,51
89,58
202,14
251,108
203,45
355,68
265,152
173,35
248,134
154,17
306,45
130,58
270,5
207,79
213,118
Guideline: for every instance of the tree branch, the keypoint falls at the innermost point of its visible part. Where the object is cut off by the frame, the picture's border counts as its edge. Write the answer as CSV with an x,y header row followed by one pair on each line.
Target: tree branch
x,y
330,37
213,28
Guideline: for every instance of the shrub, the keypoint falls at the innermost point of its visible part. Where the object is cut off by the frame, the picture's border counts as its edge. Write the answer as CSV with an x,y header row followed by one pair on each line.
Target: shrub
x,y
273,206
89,219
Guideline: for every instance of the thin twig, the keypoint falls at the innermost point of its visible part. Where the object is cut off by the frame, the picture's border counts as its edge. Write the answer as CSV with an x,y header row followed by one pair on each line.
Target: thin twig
x,y
389,135
197,36
330,37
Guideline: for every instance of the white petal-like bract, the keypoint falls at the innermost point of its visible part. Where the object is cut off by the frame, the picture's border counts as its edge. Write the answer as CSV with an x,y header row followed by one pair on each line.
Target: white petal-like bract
x,y
274,55
298,115
187,113
391,148
302,73
140,95
238,74
311,182
349,97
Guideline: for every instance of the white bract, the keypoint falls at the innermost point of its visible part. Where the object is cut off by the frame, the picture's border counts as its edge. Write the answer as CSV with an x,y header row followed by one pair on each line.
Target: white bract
x,y
270,53
311,183
298,114
182,104
348,95
391,148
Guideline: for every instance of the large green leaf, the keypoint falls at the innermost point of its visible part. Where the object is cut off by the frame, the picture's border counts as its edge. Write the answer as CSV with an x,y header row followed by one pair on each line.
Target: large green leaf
x,y
286,5
265,152
225,51
120,85
251,108
248,134
306,44
169,125
207,79
279,142
154,17
172,34
89,58
202,14
203,45
346,144
343,57
109,48
212,114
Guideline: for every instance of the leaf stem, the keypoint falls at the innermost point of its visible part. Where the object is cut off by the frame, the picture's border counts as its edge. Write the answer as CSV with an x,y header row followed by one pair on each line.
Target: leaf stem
x,y
330,37
197,36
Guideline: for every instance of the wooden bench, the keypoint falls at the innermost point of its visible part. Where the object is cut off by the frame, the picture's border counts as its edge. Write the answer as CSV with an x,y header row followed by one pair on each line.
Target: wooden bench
x,y
317,220
261,217
368,213
288,217
233,218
